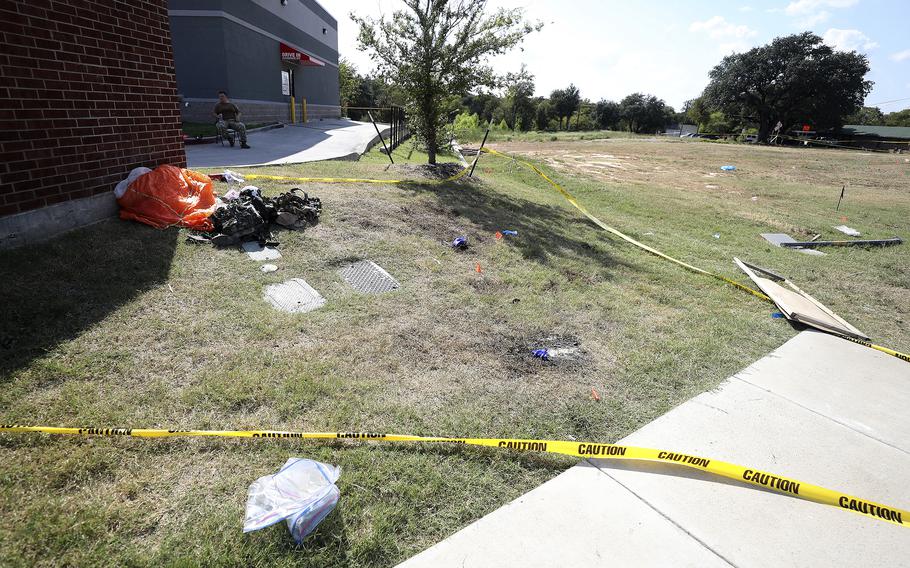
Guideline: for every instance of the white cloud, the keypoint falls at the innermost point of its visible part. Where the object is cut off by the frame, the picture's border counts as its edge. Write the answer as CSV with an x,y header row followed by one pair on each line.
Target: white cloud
x,y
812,12
901,55
719,28
731,37
849,40
746,8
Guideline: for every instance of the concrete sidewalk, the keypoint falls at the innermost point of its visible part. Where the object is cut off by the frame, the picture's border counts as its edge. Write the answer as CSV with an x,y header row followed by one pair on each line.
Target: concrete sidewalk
x,y
330,139
819,409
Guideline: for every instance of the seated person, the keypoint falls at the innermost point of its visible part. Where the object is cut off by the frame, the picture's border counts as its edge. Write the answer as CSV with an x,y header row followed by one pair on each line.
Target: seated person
x,y
228,116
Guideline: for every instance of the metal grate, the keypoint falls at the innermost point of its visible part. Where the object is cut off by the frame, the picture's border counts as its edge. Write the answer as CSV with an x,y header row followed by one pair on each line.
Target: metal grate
x,y
368,277
294,296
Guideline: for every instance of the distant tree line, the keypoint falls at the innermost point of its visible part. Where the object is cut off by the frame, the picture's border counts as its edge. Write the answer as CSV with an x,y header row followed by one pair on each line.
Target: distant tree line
x,y
790,83
564,109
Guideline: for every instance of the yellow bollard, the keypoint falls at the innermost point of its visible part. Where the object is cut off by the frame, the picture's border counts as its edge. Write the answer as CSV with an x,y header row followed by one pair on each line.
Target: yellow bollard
x,y
293,111
303,109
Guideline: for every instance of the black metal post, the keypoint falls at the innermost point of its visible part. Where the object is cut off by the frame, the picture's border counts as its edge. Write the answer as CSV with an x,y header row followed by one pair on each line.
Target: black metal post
x,y
842,189
388,153
479,150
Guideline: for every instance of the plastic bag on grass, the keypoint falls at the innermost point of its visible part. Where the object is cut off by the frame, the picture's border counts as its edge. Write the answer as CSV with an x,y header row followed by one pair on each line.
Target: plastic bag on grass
x,y
168,196
303,493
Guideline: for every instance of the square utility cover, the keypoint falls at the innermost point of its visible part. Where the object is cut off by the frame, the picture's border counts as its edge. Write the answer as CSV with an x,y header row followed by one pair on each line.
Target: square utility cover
x,y
368,277
294,296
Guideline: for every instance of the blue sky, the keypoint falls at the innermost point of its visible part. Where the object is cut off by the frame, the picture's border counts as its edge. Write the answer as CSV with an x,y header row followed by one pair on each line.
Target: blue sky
x,y
611,48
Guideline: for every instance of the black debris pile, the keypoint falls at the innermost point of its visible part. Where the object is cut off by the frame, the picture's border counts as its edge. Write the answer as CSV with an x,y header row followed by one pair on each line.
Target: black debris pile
x,y
250,216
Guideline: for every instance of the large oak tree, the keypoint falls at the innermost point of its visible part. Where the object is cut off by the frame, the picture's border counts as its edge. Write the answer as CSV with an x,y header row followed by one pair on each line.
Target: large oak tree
x,y
794,80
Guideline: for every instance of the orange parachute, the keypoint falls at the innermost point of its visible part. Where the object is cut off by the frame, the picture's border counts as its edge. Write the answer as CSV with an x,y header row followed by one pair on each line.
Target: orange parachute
x,y
168,196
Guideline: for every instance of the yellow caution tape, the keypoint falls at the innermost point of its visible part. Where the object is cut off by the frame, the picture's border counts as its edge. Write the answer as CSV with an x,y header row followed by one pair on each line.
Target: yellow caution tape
x,y
571,199
751,476
357,180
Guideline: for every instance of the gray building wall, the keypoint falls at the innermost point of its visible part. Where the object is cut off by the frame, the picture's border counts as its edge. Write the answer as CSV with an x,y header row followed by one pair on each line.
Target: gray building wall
x,y
234,45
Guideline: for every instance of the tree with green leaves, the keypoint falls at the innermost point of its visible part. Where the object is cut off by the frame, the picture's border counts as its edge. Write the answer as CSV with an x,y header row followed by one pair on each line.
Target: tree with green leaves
x,y
565,102
607,115
543,114
518,99
644,113
899,118
697,111
348,82
867,116
437,51
794,79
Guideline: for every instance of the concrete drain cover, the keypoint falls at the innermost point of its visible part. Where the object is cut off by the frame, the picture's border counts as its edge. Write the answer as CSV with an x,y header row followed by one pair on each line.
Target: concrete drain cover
x,y
368,277
294,296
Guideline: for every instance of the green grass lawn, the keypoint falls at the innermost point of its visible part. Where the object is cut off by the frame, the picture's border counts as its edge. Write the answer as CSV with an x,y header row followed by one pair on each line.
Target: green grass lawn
x,y
120,324
497,135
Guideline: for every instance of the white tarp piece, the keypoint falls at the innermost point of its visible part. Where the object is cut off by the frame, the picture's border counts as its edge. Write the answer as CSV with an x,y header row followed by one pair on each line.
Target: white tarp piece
x,y
294,296
798,306
848,231
259,253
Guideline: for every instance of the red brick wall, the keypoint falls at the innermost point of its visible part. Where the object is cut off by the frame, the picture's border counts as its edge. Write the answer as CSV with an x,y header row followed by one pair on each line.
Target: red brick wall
x,y
87,92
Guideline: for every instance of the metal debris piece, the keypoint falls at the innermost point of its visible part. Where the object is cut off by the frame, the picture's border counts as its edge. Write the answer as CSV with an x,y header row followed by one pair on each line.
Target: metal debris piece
x,y
294,296
778,239
259,253
368,277
856,243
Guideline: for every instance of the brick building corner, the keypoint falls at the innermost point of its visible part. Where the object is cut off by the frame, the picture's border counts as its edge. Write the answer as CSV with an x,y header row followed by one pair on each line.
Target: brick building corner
x,y
87,93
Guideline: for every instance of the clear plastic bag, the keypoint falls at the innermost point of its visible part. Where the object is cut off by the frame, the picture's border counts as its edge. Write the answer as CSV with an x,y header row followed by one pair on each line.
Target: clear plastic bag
x,y
303,493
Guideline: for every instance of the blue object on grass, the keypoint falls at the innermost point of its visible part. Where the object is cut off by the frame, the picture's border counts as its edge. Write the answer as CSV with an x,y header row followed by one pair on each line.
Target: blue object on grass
x,y
541,354
510,233
460,243
728,168
777,315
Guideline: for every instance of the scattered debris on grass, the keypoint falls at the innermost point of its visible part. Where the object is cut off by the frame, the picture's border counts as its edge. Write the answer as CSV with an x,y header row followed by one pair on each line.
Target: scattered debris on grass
x,y
460,243
728,168
594,394
268,268
250,216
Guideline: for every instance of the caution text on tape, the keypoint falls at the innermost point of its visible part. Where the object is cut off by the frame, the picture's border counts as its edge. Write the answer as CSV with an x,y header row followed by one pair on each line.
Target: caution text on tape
x,y
751,476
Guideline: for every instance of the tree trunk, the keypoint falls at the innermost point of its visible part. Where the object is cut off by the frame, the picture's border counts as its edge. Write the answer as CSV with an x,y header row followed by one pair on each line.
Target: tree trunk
x,y
764,128
431,146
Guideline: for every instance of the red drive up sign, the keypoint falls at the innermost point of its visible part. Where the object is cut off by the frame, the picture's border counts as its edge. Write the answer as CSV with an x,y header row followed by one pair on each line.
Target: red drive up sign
x,y
289,54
